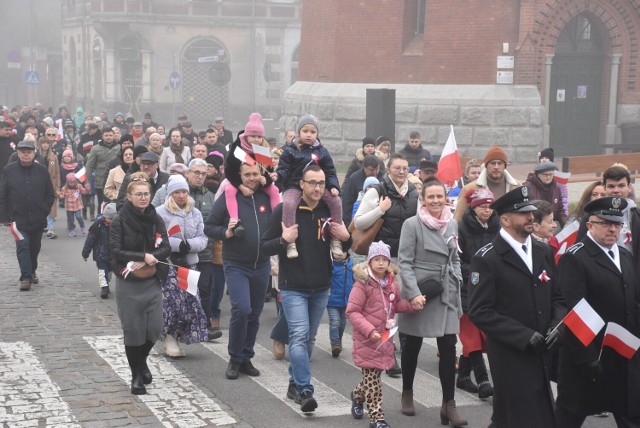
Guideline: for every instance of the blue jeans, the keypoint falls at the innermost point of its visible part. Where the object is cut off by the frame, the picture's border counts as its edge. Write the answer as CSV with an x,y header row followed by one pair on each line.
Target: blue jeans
x,y
280,330
337,323
77,215
50,222
247,287
217,291
27,251
303,310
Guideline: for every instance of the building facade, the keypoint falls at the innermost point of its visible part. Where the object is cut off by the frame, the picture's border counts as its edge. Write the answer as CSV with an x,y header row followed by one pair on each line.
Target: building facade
x,y
523,74
205,58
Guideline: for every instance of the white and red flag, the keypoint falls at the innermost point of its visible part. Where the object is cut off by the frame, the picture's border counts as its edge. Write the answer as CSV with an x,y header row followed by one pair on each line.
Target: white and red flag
x,y
81,175
174,228
561,177
87,146
449,169
584,322
13,228
262,154
620,340
385,336
567,237
60,130
243,157
188,280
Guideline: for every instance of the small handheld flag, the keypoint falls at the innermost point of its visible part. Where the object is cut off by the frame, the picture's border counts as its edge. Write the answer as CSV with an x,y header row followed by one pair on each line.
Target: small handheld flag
x,y
174,228
386,336
561,177
81,175
13,228
584,322
243,157
262,154
567,237
188,280
620,340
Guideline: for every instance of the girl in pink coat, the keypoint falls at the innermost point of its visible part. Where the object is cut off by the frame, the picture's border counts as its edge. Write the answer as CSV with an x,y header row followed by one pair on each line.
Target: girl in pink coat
x,y
373,303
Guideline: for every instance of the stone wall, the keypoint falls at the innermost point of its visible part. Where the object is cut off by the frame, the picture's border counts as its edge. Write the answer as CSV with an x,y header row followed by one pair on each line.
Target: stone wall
x,y
482,115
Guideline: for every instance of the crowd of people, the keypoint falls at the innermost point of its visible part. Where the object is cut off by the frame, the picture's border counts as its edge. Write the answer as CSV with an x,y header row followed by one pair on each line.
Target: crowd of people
x,y
391,249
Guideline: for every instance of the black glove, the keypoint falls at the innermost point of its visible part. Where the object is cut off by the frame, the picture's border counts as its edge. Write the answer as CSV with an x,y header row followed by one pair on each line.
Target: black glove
x,y
184,248
592,370
553,340
537,343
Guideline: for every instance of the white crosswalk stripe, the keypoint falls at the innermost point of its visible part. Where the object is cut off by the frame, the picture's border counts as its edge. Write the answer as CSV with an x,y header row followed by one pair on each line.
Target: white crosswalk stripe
x,y
28,397
274,378
172,398
426,387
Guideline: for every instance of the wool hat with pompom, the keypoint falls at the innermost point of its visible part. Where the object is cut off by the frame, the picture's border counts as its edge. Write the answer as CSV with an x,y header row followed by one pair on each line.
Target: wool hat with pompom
x,y
379,249
479,196
254,126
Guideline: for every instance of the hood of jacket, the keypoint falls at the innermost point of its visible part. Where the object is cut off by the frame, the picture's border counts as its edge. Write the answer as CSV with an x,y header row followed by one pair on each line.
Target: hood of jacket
x,y
360,272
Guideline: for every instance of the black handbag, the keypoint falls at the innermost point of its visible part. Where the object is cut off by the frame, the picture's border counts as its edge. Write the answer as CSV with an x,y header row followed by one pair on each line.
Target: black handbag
x,y
430,288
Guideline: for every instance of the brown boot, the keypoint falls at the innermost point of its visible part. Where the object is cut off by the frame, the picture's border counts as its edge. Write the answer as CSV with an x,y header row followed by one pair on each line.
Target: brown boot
x,y
407,403
449,414
25,285
215,324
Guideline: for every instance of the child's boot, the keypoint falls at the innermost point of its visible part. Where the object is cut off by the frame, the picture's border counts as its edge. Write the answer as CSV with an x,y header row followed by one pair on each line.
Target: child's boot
x,y
336,249
104,284
84,230
72,233
292,251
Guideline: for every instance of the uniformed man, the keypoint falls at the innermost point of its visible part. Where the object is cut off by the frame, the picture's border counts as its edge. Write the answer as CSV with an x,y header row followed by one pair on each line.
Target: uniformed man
x,y
602,272
515,300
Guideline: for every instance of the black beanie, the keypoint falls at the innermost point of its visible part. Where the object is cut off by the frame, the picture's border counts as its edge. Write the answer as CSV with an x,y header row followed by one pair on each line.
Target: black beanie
x,y
138,150
368,141
546,153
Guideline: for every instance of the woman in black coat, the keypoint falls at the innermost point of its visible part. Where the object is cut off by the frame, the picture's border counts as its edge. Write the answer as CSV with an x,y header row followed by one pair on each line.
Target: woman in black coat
x,y
138,241
479,225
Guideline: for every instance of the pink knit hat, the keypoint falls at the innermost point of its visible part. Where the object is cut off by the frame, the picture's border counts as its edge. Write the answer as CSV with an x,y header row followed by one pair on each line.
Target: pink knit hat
x,y
71,176
379,249
254,126
479,196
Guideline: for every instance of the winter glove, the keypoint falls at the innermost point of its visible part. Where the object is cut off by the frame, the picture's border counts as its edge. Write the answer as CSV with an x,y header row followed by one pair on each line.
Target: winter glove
x,y
184,248
553,340
536,343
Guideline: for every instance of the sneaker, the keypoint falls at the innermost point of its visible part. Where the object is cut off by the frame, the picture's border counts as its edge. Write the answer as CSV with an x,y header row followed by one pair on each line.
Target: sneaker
x,y
307,402
357,410
335,350
25,285
278,350
485,390
292,251
379,424
238,230
83,230
248,369
336,249
233,370
292,392
34,278
72,233
104,292
213,334
466,384
51,234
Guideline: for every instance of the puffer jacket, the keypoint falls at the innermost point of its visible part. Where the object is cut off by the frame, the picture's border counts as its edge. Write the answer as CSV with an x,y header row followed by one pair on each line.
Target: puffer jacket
x,y
192,226
341,283
97,241
366,312
294,160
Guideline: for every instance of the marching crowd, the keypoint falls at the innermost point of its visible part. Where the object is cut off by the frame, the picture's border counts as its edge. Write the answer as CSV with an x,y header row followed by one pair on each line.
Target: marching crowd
x,y
391,249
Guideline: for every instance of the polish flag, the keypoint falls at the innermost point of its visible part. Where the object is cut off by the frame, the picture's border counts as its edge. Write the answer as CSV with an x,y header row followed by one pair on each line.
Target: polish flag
x,y
449,169
60,130
562,177
262,154
243,157
87,146
620,340
188,280
567,237
584,322
81,175
386,336
158,241
13,228
174,228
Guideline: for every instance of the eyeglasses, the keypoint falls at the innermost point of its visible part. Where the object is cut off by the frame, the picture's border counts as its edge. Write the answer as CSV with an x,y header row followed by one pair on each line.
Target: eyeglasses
x,y
139,179
607,224
141,195
198,173
546,174
51,135
314,183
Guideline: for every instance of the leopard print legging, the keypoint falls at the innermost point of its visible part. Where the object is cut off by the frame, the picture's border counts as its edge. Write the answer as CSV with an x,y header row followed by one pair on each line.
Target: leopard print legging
x,y
369,390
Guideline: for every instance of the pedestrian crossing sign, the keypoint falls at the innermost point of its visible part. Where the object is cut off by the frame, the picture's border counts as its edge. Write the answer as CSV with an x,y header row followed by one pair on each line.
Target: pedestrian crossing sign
x,y
31,77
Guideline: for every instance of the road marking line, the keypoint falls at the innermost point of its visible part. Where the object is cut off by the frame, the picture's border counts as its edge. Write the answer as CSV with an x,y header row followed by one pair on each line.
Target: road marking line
x,y
274,377
426,387
172,398
28,397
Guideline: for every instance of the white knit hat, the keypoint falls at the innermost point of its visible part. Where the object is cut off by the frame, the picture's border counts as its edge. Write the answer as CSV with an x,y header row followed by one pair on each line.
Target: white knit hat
x,y
176,182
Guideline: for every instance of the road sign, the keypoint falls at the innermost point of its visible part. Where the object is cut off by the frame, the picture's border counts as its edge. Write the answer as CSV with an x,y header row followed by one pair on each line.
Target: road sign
x,y
213,58
14,59
174,80
32,77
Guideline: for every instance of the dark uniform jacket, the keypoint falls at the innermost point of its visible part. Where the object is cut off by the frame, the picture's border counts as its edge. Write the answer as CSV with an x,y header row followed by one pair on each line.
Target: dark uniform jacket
x,y
585,271
509,303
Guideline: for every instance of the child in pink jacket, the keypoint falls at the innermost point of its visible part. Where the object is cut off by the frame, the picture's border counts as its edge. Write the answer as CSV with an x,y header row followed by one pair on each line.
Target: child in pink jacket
x,y
373,303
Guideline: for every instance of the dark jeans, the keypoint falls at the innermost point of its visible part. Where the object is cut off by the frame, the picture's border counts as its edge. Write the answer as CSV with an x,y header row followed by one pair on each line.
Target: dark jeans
x,y
280,330
217,291
101,199
247,287
77,215
27,251
205,283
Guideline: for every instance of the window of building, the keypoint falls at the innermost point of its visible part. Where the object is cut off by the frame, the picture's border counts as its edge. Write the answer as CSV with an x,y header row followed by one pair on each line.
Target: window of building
x,y
420,16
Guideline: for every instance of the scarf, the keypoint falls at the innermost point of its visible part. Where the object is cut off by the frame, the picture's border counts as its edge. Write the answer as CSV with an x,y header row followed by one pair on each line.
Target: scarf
x,y
439,224
70,166
177,151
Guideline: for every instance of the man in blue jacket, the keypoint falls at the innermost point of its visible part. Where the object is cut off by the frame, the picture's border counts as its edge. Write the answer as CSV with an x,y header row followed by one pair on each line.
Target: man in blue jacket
x,y
305,280
246,268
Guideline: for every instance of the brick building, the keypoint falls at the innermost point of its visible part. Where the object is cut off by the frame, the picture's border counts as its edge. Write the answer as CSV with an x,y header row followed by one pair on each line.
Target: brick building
x,y
523,74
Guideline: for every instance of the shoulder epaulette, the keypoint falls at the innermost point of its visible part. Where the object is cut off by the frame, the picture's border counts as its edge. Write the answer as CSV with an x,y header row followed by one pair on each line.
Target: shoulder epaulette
x,y
575,247
484,250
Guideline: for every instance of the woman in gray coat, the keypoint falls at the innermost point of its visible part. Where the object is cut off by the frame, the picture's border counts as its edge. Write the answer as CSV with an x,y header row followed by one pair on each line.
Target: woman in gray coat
x,y
428,250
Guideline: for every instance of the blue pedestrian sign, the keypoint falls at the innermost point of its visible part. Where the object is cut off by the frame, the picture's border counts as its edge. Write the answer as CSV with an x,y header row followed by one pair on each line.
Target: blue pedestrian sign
x,y
32,77
174,80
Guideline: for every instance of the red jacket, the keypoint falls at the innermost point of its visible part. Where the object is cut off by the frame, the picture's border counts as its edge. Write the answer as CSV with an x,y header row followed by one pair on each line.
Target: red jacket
x,y
73,196
366,312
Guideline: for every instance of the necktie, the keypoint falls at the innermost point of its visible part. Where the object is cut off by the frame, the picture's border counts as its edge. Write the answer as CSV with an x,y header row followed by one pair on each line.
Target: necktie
x,y
611,254
524,248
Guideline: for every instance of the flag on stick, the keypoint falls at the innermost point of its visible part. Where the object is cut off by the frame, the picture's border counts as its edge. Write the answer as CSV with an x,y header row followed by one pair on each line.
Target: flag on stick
x,y
87,146
13,228
584,322
562,177
243,157
174,228
567,237
81,175
262,154
188,280
60,130
386,336
620,340
449,169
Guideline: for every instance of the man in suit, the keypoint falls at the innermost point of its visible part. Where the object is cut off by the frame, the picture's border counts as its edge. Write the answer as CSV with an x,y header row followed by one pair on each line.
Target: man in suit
x,y
601,271
515,300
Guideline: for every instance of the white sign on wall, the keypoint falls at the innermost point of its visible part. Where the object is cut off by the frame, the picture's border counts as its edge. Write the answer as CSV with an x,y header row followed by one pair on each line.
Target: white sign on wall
x,y
504,77
506,61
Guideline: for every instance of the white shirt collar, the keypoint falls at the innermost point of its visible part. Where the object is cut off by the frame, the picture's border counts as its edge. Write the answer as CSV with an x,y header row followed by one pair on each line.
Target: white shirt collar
x,y
527,257
605,250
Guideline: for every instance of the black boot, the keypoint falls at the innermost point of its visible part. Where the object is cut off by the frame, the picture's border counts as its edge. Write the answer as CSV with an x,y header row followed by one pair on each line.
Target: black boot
x,y
485,390
238,230
147,377
396,370
135,356
464,381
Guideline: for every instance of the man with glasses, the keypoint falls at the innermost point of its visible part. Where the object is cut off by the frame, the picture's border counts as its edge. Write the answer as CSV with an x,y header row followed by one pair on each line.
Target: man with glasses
x,y
543,187
304,281
594,378
494,177
149,165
